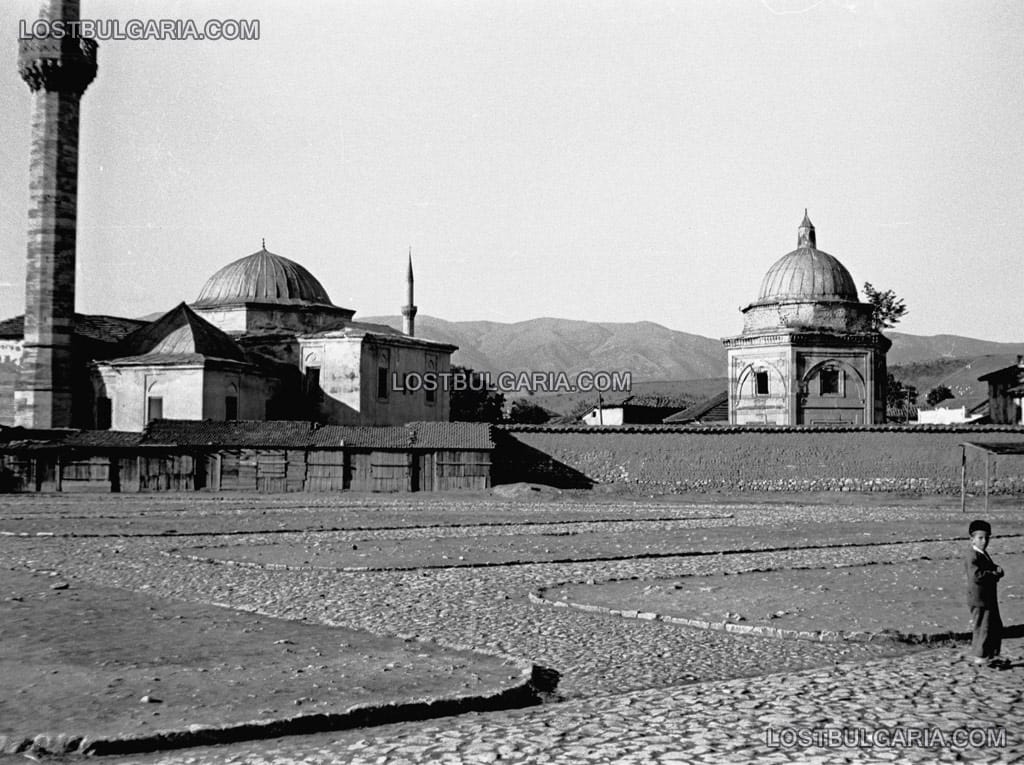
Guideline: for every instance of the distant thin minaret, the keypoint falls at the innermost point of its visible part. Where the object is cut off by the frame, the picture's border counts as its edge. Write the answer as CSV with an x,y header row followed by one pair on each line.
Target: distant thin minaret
x,y
409,310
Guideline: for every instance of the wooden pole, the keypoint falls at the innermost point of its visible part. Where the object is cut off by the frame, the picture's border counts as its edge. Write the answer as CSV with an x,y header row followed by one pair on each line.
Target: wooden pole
x,y
986,481
963,478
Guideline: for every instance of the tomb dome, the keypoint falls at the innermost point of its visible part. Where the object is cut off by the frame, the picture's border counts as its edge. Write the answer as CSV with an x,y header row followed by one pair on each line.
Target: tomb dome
x,y
807,273
263,277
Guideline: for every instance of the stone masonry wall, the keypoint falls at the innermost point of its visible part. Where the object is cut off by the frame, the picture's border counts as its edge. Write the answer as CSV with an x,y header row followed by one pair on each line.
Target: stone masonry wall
x,y
667,460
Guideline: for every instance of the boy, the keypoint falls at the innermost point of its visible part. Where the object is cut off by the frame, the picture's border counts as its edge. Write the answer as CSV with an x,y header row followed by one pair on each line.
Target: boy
x,y
982,576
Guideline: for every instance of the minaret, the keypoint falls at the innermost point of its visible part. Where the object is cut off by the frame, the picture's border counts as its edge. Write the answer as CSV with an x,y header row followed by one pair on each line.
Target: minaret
x,y
805,234
57,71
409,310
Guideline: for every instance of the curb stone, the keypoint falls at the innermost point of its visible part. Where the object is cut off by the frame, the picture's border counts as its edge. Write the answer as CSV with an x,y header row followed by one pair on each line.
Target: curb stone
x,y
817,636
535,680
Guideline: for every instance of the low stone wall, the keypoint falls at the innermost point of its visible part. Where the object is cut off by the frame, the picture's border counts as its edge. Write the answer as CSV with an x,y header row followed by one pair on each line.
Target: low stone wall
x,y
663,459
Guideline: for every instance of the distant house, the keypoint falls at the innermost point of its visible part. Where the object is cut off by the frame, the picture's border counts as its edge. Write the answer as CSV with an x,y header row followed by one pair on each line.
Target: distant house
x,y
714,410
628,411
955,411
1006,393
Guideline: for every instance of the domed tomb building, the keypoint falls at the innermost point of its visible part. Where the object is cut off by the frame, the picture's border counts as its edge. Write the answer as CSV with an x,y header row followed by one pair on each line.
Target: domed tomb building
x,y
809,353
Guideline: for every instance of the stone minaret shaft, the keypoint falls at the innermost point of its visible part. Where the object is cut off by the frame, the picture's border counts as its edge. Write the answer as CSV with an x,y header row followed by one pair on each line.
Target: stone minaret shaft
x,y
409,310
57,71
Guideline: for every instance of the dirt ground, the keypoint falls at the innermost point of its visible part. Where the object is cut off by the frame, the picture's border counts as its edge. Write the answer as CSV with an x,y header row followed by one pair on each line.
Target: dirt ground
x,y
83,659
582,540
915,597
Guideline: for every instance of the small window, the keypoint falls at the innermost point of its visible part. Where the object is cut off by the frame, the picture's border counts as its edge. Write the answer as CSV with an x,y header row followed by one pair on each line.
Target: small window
x,y
430,383
231,407
761,383
382,382
830,382
312,382
154,408
104,410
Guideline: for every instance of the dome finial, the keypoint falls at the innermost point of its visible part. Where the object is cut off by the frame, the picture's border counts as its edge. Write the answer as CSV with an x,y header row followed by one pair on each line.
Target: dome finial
x,y
805,236
263,243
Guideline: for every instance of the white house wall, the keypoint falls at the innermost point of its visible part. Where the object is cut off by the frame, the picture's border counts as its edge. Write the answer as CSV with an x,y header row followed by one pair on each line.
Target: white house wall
x,y
129,388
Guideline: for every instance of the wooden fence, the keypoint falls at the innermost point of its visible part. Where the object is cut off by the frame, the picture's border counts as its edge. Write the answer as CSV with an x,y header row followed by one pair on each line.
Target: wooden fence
x,y
260,470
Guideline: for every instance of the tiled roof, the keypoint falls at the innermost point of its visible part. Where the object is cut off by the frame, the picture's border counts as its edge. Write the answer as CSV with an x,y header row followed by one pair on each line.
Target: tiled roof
x,y
289,434
109,329
103,439
13,327
8,435
22,438
181,331
295,434
364,437
725,429
451,435
714,409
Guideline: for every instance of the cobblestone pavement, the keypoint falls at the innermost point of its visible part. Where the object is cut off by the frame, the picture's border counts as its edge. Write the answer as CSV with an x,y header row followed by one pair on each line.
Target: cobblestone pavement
x,y
636,691
961,714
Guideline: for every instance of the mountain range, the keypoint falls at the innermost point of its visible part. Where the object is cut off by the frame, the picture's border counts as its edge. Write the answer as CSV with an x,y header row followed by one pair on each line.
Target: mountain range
x,y
648,350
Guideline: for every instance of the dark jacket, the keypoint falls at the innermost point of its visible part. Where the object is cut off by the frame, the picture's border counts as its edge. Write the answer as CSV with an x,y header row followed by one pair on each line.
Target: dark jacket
x,y
982,577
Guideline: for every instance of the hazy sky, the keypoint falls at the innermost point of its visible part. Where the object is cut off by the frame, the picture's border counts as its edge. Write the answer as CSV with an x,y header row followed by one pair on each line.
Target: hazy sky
x,y
607,161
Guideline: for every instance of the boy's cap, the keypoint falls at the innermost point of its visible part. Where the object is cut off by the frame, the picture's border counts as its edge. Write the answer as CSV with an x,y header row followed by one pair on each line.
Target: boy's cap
x,y
979,526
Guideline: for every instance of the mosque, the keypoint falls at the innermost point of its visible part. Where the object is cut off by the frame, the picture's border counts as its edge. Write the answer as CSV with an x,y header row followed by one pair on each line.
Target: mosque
x,y
262,340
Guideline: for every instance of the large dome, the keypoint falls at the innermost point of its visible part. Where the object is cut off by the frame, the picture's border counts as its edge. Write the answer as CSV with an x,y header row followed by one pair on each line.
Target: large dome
x,y
263,277
807,273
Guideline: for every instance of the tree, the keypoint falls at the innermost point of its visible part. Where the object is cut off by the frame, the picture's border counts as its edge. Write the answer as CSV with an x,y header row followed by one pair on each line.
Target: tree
x,y
900,400
937,394
472,398
528,413
887,309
